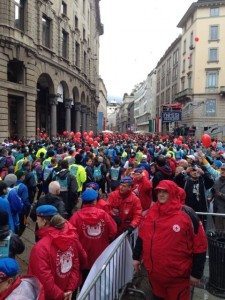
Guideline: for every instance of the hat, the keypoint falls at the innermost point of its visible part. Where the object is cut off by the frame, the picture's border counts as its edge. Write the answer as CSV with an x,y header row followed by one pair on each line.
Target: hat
x,y
20,173
10,179
89,195
217,163
9,267
92,185
127,179
139,170
144,156
191,157
46,211
223,166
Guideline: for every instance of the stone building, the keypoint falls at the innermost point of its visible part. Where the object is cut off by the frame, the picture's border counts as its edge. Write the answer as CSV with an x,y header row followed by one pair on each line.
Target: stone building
x,y
144,104
102,107
49,57
122,115
112,112
202,78
167,81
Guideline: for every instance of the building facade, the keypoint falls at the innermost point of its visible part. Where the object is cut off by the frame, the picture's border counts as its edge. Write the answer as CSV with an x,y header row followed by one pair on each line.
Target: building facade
x,y
122,115
112,112
102,107
130,120
202,76
49,57
167,82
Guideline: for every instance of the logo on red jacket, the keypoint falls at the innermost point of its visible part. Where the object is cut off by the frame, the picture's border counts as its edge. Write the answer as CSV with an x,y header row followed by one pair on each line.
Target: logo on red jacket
x,y
64,262
94,231
176,228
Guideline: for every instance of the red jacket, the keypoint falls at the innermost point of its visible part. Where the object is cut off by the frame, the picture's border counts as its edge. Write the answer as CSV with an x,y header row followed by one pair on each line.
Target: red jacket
x,y
143,189
95,229
56,260
125,207
102,204
169,241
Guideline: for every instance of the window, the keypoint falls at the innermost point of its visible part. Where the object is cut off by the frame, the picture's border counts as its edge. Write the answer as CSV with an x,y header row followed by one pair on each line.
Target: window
x,y
184,47
189,81
168,78
168,63
182,83
212,79
214,32
77,53
191,39
210,108
84,34
19,14
190,60
64,8
46,27
213,54
64,44
84,6
15,71
183,68
76,22
85,62
214,12
175,57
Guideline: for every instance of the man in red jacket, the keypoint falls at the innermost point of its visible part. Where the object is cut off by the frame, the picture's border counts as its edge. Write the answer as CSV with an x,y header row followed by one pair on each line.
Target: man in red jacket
x,y
125,206
173,245
94,226
58,257
142,188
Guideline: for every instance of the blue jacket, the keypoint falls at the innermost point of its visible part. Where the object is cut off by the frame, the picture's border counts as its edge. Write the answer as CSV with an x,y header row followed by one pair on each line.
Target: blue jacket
x,y
23,193
16,205
5,206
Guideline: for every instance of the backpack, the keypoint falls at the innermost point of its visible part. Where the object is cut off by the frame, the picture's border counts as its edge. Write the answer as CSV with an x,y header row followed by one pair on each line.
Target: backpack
x,y
73,170
9,161
193,216
97,173
114,173
4,246
46,172
2,162
63,182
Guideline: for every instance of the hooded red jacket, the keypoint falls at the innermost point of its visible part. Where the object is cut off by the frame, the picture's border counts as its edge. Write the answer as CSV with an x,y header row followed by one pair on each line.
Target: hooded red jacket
x,y
56,260
169,241
95,229
143,189
125,207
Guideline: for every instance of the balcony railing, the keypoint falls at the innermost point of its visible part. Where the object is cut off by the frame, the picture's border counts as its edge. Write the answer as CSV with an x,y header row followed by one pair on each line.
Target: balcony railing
x,y
212,90
184,94
222,90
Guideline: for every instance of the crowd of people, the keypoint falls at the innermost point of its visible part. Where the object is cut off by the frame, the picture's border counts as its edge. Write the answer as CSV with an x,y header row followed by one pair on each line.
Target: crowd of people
x,y
84,191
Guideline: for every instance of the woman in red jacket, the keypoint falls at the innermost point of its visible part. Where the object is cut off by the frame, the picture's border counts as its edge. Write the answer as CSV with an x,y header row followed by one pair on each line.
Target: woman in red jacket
x,y
58,257
172,244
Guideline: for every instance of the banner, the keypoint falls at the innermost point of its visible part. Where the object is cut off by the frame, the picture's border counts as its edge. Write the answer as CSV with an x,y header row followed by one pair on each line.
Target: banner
x,y
115,274
171,116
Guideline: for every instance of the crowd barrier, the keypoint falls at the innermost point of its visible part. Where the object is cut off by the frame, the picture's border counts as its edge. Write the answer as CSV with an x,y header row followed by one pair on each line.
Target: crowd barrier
x,y
114,269
111,271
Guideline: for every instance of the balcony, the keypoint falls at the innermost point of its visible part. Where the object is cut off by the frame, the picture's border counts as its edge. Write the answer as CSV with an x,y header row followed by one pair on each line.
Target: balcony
x,y
184,95
212,90
222,91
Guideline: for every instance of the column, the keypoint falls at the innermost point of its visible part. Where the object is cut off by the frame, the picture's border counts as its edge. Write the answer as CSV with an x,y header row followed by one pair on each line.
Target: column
x,y
84,118
88,119
68,105
77,116
53,102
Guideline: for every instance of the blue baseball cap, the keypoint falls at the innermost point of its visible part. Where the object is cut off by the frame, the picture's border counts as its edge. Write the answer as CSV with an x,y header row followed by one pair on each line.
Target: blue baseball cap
x,y
46,211
127,179
139,170
89,195
9,267
92,185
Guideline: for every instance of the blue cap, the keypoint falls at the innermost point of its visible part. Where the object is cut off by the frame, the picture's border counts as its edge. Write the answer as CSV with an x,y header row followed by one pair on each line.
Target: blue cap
x,y
9,267
139,170
89,195
127,179
46,210
92,185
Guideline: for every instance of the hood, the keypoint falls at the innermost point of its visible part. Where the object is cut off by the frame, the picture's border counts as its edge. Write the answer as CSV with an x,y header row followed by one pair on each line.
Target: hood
x,y
182,195
166,170
61,238
173,204
89,215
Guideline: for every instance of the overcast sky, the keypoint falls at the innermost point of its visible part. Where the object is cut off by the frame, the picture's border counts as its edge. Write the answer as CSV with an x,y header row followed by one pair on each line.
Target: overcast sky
x,y
136,35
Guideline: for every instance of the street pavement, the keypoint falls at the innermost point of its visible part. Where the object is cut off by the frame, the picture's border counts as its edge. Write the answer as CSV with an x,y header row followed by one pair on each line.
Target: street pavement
x,y
28,239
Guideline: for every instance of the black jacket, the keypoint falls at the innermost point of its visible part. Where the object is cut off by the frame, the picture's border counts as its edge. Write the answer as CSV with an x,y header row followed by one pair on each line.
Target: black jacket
x,y
16,245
